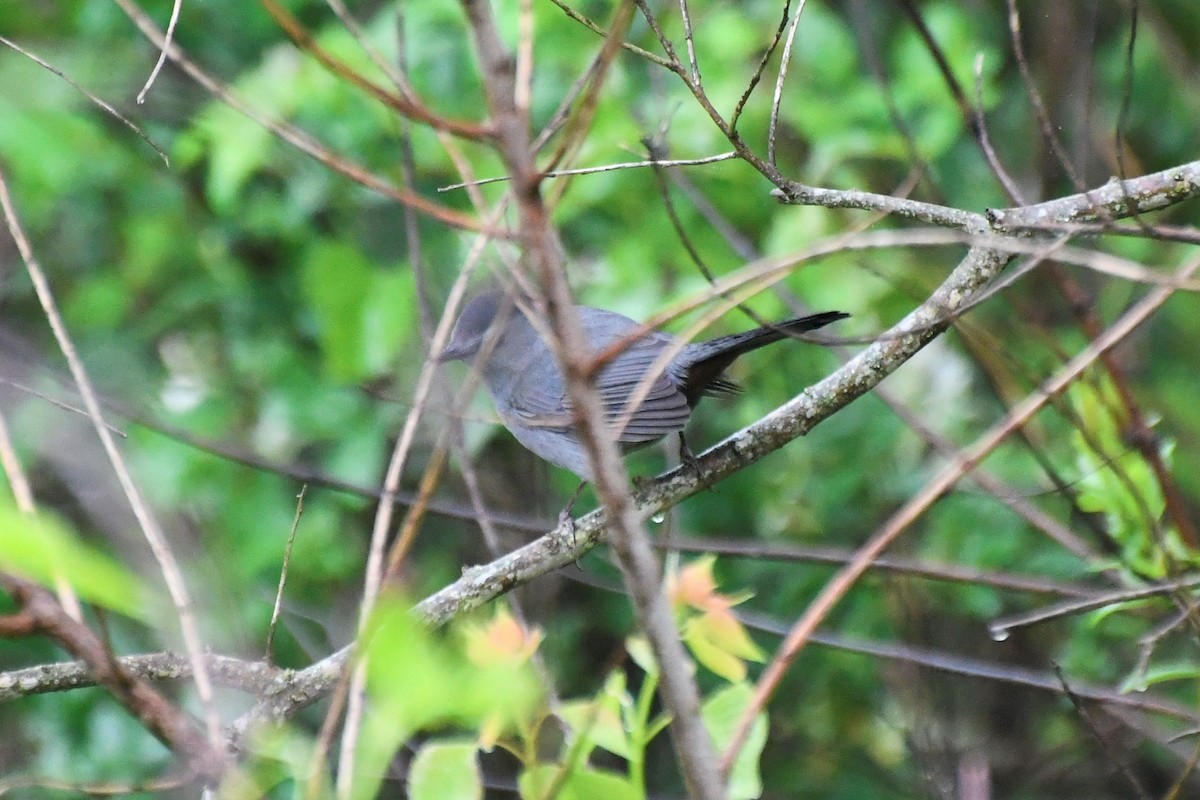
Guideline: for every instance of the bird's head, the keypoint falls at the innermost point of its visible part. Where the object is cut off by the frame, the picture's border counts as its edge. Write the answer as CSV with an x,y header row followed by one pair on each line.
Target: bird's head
x,y
471,329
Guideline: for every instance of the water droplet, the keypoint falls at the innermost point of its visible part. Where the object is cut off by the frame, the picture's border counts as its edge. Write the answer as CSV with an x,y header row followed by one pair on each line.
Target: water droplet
x,y
998,634
658,518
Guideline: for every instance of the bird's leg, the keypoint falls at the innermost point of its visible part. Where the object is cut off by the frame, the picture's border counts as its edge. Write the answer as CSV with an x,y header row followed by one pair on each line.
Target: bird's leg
x,y
565,517
688,457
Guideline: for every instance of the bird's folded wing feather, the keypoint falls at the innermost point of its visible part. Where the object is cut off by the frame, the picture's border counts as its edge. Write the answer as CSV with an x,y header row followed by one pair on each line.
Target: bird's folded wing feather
x,y
663,410
540,397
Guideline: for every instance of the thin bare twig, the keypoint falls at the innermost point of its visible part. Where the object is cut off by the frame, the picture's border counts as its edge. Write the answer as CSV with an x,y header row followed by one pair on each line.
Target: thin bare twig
x,y
396,76
23,495
558,173
407,104
337,705
95,99
579,122
1127,91
973,117
954,664
673,63
1149,640
1060,533
1185,775
410,525
299,474
176,6
172,780
1001,628
752,84
818,554
566,105
287,559
984,140
294,136
784,61
686,16
1111,754
1035,98
58,403
586,22
864,18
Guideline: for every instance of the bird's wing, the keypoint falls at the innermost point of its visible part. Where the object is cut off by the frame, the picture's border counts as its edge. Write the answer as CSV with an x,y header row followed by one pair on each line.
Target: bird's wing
x,y
540,397
663,410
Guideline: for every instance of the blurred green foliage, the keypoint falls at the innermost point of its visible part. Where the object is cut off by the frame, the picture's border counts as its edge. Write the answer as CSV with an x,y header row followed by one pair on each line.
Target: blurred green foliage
x,y
42,549
249,299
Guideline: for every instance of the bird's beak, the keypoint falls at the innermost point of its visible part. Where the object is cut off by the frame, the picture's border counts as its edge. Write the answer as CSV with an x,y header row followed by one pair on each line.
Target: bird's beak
x,y
453,352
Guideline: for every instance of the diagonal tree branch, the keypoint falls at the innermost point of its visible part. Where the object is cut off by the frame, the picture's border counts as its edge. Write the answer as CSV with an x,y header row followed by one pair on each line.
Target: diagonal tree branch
x,y
903,517
41,613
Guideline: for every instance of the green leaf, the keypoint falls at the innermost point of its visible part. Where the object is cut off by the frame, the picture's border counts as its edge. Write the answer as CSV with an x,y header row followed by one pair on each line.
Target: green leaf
x,y
236,145
389,319
418,679
363,314
445,770
721,713
582,784
280,753
338,280
99,303
599,721
717,659
1140,680
1118,481
43,547
639,650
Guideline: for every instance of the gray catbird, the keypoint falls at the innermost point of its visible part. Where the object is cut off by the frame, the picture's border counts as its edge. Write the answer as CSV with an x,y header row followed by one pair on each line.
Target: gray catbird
x,y
530,393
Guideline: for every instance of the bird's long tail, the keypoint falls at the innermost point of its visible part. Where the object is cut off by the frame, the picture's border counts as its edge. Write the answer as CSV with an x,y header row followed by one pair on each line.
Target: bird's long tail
x,y
705,361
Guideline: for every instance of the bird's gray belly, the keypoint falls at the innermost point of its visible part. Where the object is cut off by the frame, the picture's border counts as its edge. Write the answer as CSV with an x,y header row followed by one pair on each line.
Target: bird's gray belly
x,y
551,442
